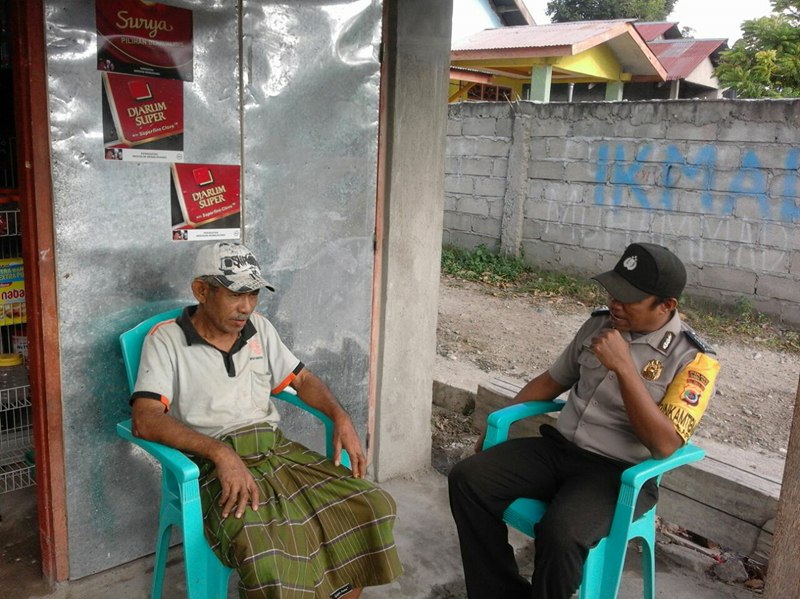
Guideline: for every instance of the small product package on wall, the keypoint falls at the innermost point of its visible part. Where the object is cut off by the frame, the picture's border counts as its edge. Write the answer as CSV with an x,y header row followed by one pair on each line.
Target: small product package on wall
x,y
12,292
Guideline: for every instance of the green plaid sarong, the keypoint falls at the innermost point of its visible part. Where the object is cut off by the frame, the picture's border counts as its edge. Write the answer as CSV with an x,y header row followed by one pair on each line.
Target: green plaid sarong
x,y
317,528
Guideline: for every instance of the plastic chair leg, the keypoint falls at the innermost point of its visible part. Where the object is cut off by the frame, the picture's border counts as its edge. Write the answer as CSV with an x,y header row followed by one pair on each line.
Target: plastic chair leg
x,y
159,567
593,572
649,568
206,576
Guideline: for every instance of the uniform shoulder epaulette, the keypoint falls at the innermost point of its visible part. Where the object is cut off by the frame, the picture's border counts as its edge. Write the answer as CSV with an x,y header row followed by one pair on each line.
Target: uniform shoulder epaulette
x,y
602,311
699,343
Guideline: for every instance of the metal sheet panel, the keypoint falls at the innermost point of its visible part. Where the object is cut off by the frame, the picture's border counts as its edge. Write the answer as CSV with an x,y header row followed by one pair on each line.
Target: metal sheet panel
x,y
681,57
306,138
311,82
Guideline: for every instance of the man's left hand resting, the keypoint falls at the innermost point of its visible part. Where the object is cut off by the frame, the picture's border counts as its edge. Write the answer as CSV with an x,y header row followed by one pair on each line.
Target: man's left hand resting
x,y
316,394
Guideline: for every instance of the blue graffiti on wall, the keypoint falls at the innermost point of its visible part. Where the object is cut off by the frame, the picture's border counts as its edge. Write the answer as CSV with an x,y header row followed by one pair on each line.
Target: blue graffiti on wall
x,y
654,184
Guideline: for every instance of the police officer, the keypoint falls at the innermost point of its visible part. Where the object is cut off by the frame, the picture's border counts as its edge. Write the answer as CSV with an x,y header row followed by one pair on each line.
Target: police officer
x,y
639,379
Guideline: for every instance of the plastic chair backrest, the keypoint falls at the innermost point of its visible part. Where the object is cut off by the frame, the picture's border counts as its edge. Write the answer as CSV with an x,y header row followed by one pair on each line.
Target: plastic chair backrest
x,y
132,341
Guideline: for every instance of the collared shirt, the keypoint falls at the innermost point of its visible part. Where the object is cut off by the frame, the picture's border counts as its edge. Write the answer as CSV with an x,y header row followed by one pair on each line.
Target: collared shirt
x,y
212,391
594,417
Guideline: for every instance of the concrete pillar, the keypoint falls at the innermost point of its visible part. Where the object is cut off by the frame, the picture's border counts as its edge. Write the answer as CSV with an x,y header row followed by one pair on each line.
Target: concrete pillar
x,y
414,123
674,89
614,91
516,185
541,80
782,574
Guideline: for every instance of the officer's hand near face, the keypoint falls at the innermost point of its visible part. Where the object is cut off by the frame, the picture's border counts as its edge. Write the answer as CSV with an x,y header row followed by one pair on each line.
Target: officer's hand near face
x,y
612,350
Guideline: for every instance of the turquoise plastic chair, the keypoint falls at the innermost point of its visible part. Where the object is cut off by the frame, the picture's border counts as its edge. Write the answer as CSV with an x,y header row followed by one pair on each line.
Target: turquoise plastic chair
x,y
206,576
602,571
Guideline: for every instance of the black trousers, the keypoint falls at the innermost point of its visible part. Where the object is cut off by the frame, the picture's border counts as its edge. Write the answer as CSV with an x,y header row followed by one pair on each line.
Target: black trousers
x,y
582,489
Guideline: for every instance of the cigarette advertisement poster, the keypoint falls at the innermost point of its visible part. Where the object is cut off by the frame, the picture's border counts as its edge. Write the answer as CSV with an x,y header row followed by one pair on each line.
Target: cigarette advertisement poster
x,y
144,38
142,118
205,201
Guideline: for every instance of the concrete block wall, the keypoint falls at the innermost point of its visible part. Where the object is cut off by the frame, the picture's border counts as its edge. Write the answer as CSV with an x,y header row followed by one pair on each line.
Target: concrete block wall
x,y
716,181
476,171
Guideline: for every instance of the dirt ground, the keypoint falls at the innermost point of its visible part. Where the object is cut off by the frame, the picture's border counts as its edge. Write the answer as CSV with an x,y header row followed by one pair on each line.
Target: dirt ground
x,y
519,336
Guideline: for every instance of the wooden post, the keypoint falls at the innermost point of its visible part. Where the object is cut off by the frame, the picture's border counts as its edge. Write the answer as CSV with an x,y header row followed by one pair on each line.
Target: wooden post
x,y
782,572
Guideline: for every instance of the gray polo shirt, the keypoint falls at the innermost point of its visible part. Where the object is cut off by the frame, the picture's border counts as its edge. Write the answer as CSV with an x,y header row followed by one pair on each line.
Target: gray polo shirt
x,y
211,391
594,417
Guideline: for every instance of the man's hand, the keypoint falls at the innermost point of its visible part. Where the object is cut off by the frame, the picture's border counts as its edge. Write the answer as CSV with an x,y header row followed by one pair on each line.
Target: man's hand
x,y
238,486
345,437
612,350
317,395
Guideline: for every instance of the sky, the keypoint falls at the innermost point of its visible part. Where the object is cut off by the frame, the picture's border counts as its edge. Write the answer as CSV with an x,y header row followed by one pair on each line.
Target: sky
x,y
708,18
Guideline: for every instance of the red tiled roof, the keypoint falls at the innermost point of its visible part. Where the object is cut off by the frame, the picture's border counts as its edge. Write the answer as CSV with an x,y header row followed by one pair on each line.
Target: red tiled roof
x,y
682,56
650,30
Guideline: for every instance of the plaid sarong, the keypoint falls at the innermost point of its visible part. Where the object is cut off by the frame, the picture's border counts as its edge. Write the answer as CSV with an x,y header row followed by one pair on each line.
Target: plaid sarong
x,y
317,529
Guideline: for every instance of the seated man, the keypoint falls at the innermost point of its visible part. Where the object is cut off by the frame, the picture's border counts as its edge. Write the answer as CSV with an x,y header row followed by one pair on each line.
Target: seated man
x,y
293,523
639,380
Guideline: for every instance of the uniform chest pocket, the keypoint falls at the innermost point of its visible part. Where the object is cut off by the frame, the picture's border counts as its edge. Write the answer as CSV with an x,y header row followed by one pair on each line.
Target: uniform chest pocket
x,y
592,373
588,360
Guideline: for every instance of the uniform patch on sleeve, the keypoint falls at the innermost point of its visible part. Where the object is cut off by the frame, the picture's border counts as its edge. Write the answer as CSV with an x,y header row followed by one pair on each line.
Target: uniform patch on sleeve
x,y
687,396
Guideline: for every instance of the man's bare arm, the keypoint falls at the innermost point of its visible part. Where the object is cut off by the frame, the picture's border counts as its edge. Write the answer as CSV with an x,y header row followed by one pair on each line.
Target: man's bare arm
x,y
542,388
317,395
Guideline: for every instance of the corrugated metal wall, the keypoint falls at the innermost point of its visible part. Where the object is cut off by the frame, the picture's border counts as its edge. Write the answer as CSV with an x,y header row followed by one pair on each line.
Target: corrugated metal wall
x,y
299,112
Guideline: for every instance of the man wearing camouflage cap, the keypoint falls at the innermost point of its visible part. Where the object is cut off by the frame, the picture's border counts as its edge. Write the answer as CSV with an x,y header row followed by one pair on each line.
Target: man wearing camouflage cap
x,y
293,523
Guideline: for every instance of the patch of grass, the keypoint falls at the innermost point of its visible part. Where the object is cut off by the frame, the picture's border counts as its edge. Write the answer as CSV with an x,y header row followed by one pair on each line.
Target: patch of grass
x,y
482,265
741,321
550,284
512,273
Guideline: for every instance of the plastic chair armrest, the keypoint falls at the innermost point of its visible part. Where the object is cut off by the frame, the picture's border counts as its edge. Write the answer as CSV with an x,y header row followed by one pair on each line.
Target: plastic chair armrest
x,y
173,460
295,400
634,477
499,421
643,472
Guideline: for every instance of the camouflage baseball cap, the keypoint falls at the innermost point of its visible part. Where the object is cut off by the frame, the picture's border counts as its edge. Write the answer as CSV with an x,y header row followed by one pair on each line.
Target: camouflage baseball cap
x,y
232,265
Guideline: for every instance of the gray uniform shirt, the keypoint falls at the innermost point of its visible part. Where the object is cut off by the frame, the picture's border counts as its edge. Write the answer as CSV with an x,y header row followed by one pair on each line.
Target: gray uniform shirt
x,y
594,417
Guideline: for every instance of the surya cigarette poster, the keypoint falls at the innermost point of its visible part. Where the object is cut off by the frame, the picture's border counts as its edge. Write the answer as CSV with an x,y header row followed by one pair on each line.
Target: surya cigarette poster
x,y
138,37
205,201
142,118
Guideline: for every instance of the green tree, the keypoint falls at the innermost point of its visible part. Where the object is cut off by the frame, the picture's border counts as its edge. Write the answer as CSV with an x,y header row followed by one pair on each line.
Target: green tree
x,y
765,62
561,11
